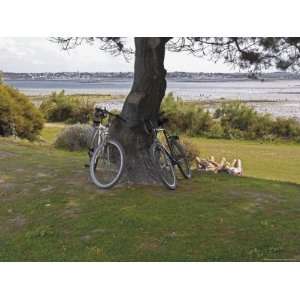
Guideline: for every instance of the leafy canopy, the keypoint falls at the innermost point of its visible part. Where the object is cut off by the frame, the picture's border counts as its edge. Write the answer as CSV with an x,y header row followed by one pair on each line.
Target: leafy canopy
x,y
254,53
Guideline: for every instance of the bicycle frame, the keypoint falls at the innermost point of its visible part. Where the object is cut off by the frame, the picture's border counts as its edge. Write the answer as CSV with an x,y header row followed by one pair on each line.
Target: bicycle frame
x,y
100,133
167,137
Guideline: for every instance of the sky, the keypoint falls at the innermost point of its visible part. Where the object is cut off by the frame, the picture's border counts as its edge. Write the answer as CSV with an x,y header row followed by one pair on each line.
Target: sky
x,y
41,55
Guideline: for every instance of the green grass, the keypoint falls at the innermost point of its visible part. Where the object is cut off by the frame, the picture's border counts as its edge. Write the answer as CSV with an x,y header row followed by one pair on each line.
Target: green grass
x,y
50,211
276,161
51,131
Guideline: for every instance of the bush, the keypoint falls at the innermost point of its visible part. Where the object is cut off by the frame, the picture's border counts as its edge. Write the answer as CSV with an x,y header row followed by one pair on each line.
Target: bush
x,y
287,128
82,112
231,120
238,120
236,115
18,115
187,118
241,121
191,149
57,108
62,108
216,131
74,138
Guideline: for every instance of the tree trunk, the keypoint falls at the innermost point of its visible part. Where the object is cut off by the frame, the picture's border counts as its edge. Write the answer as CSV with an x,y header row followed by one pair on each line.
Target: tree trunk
x,y
142,103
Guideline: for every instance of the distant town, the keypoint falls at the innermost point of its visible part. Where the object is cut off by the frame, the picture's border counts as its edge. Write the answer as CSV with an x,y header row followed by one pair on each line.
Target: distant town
x,y
176,76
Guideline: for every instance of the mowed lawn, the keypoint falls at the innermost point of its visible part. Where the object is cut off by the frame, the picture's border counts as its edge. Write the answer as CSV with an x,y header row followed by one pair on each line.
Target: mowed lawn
x,y
277,161
50,211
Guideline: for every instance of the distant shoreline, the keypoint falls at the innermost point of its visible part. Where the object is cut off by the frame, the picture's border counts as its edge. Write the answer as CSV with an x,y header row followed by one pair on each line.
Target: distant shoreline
x,y
175,76
103,80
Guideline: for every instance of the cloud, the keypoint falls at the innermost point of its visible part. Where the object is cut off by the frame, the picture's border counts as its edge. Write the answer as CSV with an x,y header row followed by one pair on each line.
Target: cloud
x,y
40,55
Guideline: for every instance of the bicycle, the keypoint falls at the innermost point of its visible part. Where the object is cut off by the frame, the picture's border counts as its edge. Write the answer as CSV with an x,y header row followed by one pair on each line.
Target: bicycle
x,y
106,154
165,158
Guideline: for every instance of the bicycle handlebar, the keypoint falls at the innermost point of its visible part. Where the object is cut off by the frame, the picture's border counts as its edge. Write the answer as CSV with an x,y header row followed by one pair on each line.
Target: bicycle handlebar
x,y
150,127
106,112
160,121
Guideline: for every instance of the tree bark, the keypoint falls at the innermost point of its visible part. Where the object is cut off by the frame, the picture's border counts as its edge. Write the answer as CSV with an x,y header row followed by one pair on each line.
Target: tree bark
x,y
142,103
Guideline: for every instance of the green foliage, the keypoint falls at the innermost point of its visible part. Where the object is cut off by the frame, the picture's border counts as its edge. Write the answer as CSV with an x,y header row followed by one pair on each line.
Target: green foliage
x,y
191,149
188,118
287,128
236,115
82,112
18,115
241,121
62,108
231,120
74,138
216,131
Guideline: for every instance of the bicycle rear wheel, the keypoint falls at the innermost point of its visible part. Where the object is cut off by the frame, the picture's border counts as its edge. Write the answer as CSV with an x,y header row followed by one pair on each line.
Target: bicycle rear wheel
x,y
163,165
107,164
181,158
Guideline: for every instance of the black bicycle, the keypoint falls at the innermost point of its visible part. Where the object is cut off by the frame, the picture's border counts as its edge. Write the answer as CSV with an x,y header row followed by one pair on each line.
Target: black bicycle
x,y
165,157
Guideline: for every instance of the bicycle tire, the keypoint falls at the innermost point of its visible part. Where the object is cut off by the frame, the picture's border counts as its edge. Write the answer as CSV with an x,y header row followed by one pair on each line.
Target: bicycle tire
x,y
181,159
95,159
163,170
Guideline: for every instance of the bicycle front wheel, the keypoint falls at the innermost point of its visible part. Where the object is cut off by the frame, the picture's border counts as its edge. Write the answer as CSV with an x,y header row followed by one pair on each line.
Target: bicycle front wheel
x,y
163,165
107,164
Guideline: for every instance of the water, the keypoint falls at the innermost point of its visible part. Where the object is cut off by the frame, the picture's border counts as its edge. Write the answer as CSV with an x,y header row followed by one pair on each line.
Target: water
x,y
278,97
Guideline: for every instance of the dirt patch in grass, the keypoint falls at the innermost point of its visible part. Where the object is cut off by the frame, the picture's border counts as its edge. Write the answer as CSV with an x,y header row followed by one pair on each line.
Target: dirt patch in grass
x,y
150,245
71,209
6,187
15,223
4,154
18,221
257,197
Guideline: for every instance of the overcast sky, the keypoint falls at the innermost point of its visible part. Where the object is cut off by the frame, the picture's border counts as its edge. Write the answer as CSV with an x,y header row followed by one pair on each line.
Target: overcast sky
x,y
41,55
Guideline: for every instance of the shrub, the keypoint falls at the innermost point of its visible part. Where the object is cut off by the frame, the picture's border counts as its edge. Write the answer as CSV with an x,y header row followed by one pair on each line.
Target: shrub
x,y
57,108
200,121
261,127
74,138
187,118
231,120
241,121
236,115
216,131
287,128
18,115
62,108
191,149
82,112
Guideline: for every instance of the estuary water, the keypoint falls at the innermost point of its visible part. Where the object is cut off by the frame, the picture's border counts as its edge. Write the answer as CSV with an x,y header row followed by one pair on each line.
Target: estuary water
x,y
278,97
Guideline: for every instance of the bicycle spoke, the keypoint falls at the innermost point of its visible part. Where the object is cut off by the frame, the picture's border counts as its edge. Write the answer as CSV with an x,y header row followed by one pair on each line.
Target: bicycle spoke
x,y
108,164
164,166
